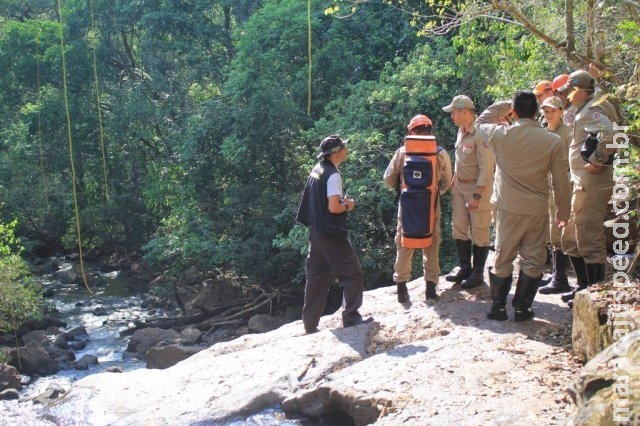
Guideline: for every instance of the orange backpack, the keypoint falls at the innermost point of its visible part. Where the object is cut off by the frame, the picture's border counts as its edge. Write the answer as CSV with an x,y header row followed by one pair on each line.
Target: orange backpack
x,y
419,191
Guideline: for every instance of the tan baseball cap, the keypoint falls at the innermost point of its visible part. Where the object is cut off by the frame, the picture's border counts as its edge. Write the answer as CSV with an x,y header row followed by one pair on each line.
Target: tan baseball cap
x,y
580,79
552,102
459,102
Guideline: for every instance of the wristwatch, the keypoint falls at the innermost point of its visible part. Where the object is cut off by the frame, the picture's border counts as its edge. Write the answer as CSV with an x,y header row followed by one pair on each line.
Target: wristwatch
x,y
476,196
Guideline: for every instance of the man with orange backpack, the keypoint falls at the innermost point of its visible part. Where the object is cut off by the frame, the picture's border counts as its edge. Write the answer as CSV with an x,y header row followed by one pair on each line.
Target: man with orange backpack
x,y
420,127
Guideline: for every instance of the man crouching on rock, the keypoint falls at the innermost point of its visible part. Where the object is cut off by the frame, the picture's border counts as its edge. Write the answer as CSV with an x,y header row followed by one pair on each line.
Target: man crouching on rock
x,y
323,210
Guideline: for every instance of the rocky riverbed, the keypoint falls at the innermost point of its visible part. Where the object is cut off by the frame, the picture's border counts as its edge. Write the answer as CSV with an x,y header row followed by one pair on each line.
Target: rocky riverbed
x,y
416,364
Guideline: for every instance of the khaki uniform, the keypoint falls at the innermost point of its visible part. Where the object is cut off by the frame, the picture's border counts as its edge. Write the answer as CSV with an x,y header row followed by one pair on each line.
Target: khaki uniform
x,y
525,154
474,166
555,233
430,259
584,234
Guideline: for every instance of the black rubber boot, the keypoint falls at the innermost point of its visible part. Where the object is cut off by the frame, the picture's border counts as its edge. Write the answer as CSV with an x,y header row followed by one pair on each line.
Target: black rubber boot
x,y
551,258
559,281
430,292
526,290
403,294
595,272
500,288
464,256
477,274
581,277
354,319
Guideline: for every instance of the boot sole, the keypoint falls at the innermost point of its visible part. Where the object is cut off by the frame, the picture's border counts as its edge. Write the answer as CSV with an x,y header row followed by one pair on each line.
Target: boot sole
x,y
553,290
467,287
498,317
567,299
522,317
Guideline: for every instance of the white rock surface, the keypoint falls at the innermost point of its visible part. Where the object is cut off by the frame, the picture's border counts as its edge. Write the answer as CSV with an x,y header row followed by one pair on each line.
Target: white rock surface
x,y
418,364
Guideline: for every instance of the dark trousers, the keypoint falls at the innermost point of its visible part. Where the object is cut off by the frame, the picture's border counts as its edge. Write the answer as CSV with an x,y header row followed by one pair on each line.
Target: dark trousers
x,y
329,256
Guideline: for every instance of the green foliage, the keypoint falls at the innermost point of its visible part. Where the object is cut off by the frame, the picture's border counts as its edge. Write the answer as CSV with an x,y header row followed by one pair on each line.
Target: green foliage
x,y
9,243
19,296
203,108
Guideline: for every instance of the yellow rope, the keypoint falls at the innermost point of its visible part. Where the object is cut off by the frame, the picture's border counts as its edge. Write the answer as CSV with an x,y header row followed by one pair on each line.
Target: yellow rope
x,y
73,169
94,42
309,54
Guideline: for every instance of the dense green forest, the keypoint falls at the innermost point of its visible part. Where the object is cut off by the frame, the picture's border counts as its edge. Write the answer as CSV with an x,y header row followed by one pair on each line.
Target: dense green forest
x,y
182,131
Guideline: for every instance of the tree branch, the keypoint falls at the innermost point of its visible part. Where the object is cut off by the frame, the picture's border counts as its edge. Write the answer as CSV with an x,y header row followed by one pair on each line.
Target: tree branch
x,y
573,58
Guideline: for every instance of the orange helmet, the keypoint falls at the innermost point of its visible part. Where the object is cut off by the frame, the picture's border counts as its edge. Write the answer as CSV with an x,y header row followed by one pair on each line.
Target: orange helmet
x,y
559,81
542,87
419,120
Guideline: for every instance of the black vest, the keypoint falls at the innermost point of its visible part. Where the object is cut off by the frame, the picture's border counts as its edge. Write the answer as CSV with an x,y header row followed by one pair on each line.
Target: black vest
x,y
314,207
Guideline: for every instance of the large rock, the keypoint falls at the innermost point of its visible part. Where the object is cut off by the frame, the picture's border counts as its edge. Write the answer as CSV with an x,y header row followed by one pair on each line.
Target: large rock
x,y
33,359
416,365
9,377
165,356
607,392
589,333
142,340
593,329
263,323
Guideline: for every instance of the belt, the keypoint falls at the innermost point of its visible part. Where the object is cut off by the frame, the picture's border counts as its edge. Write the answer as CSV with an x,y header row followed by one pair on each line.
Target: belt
x,y
466,180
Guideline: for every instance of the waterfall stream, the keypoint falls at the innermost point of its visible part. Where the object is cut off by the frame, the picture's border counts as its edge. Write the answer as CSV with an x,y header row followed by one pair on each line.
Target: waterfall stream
x,y
110,309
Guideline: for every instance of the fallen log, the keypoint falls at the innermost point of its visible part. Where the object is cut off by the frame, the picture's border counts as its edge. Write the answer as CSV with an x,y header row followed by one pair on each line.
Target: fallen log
x,y
229,313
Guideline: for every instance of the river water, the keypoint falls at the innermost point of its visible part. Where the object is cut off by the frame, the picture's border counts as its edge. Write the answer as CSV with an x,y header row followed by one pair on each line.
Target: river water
x,y
120,306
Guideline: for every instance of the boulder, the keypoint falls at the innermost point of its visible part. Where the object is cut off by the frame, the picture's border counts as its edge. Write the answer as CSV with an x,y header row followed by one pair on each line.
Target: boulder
x,y
162,357
263,323
9,377
51,393
85,361
607,391
589,333
78,333
190,336
593,329
33,359
39,336
142,340
100,311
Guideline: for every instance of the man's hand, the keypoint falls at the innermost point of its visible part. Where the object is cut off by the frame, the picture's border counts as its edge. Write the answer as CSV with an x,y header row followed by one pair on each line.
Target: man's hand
x,y
593,169
561,222
473,205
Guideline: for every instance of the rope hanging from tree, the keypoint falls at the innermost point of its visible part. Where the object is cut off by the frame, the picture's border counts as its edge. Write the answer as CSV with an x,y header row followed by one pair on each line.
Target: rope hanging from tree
x,y
70,140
